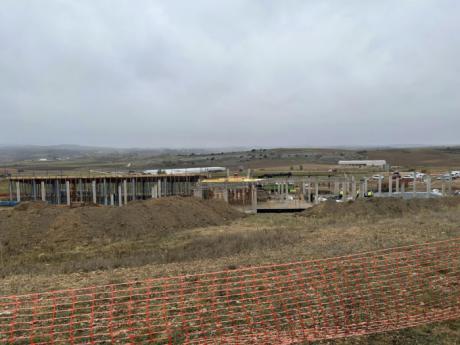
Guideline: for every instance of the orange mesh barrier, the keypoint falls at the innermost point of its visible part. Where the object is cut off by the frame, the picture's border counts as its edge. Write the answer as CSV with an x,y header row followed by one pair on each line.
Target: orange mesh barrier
x,y
281,304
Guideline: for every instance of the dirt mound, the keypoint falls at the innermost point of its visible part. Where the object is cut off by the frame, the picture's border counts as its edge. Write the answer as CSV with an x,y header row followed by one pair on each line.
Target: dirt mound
x,y
385,207
35,225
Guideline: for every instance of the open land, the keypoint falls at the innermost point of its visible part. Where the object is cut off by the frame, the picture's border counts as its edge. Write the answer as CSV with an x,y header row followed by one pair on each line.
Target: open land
x,y
44,247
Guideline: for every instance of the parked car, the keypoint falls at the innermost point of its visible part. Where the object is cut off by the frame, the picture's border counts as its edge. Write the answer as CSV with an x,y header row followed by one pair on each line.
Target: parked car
x,y
445,177
378,177
455,174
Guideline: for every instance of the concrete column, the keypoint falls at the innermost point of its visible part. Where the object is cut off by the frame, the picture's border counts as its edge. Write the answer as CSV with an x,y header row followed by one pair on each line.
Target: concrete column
x,y
303,189
58,192
225,194
80,187
254,197
10,187
94,192
286,191
104,191
397,185
67,192
198,192
316,191
390,185
403,188
34,189
353,187
309,191
449,187
112,199
365,186
133,185
43,190
159,188
18,192
380,187
153,192
428,186
125,191
336,187
120,199
414,185
361,189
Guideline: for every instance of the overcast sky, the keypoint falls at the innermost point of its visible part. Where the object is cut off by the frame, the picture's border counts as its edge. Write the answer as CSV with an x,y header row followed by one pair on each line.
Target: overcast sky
x,y
224,73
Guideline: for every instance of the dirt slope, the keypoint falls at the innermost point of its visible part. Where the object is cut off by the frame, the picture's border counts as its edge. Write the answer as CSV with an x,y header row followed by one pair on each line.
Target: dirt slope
x,y
33,225
379,207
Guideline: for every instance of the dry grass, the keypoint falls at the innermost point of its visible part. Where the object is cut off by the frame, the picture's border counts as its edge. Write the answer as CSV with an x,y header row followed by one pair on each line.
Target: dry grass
x,y
258,239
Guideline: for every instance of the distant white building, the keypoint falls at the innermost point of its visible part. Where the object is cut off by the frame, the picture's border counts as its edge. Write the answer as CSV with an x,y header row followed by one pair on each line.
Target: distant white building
x,y
365,163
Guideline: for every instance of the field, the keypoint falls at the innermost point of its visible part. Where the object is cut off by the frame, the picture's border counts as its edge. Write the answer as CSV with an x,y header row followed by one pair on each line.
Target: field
x,y
45,247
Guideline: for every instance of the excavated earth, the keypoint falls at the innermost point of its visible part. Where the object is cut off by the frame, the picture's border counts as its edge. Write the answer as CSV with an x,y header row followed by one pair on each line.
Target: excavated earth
x,y
38,225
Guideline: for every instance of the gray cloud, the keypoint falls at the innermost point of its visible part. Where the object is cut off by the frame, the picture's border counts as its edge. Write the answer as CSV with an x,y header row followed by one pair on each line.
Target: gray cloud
x,y
220,73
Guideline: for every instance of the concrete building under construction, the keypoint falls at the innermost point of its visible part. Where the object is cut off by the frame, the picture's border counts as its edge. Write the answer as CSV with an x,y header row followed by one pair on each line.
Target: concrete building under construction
x,y
103,189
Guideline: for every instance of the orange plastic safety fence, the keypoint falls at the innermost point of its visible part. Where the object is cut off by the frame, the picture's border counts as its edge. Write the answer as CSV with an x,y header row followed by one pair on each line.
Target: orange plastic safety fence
x,y
280,304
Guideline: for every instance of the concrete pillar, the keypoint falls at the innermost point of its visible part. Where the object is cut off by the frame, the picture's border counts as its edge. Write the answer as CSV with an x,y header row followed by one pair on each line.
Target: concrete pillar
x,y
390,185
254,197
336,187
58,192
112,199
286,190
67,192
133,191
225,194
449,187
34,189
94,192
18,192
316,191
159,188
120,199
403,188
43,190
428,186
361,189
397,185
125,191
353,187
380,187
10,186
80,187
365,186
153,192
414,184
104,191
198,192
309,191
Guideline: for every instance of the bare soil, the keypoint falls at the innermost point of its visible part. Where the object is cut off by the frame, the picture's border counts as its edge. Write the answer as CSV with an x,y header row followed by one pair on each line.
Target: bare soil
x,y
380,207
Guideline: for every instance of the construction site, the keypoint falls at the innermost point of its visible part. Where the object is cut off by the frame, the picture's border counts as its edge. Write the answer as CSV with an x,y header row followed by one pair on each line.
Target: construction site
x,y
349,254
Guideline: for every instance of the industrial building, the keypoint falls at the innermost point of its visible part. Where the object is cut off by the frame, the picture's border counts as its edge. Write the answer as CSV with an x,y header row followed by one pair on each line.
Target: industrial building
x,y
365,163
